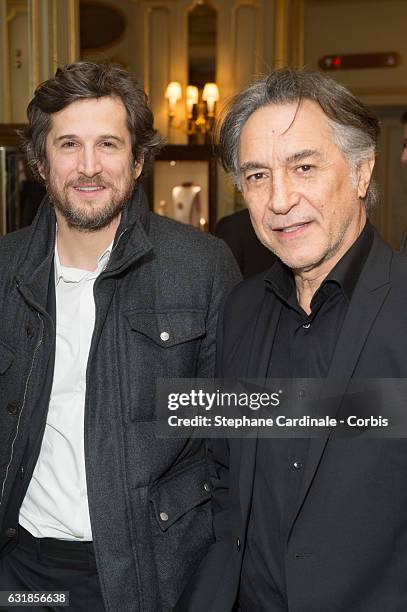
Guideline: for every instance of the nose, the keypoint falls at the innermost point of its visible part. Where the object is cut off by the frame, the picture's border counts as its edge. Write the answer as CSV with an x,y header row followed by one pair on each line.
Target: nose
x,y
283,195
89,163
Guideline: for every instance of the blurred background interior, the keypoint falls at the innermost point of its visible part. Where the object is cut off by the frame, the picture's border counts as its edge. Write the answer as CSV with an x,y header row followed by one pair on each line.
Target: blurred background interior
x,y
191,56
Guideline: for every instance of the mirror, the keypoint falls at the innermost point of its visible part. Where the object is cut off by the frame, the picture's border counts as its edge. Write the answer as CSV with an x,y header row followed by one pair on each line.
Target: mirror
x,y
202,32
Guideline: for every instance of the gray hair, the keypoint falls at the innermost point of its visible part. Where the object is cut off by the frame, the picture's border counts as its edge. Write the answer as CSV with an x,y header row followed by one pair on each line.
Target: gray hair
x,y
355,127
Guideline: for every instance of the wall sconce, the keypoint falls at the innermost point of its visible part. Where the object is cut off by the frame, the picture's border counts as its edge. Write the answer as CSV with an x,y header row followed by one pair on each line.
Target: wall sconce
x,y
173,93
200,123
210,95
192,97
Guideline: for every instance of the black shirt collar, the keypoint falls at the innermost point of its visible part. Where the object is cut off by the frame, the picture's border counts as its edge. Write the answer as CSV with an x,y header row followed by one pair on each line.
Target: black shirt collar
x,y
345,274
348,269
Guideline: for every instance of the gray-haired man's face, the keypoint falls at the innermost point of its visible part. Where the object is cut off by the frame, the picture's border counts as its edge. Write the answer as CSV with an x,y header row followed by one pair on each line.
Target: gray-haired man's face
x,y
304,201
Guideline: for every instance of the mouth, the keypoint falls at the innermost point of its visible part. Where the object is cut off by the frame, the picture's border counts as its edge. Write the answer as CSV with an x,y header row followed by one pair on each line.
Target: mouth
x,y
88,191
294,229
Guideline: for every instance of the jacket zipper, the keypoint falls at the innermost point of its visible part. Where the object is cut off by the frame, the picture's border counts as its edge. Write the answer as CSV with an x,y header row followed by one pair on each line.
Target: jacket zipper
x,y
22,407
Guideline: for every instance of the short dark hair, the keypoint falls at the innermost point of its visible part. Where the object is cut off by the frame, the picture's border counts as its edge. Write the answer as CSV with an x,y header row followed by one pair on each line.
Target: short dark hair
x,y
82,81
403,117
355,127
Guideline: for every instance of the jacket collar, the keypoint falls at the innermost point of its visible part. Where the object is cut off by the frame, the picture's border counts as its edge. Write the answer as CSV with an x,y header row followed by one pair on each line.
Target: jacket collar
x,y
131,242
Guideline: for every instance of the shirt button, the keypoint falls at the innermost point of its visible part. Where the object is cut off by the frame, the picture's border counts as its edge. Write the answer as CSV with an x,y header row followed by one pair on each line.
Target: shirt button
x,y
297,465
206,487
11,532
12,408
238,544
164,336
307,325
164,516
22,472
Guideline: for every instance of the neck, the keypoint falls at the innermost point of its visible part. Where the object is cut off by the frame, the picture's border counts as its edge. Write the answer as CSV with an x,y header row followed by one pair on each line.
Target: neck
x,y
79,249
306,287
307,282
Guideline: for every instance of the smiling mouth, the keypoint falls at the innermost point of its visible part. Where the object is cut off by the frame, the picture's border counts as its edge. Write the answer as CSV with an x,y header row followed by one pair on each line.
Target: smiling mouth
x,y
88,189
291,228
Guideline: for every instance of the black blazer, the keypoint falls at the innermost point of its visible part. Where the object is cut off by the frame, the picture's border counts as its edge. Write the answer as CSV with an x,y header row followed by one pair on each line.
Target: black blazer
x,y
346,548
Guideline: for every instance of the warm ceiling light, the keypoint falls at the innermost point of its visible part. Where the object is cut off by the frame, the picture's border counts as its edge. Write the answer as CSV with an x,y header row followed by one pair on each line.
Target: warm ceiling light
x,y
173,93
211,95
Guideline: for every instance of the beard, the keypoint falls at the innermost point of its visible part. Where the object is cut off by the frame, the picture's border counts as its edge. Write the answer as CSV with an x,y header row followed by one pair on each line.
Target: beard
x,y
89,217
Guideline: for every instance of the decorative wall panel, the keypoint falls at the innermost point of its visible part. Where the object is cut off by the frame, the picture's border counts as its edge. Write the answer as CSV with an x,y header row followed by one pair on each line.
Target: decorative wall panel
x,y
245,44
157,64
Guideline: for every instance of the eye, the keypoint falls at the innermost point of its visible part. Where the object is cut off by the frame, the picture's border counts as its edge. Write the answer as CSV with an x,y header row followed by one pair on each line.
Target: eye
x,y
69,144
108,144
255,177
304,168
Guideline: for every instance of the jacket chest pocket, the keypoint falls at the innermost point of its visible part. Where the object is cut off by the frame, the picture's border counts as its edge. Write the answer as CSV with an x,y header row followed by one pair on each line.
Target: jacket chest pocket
x,y
162,344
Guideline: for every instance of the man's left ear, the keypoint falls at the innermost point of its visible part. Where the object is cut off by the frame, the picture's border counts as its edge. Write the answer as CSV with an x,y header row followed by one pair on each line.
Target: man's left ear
x,y
364,175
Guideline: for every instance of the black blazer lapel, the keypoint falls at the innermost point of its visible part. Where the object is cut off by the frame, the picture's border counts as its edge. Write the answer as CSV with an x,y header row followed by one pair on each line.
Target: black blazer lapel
x,y
368,297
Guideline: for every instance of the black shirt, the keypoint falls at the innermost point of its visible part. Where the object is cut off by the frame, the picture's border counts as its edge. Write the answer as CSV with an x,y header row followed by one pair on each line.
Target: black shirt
x,y
303,347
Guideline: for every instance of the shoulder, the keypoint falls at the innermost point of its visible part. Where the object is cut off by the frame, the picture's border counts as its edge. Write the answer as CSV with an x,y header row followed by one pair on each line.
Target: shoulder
x,y
399,268
182,240
192,257
382,253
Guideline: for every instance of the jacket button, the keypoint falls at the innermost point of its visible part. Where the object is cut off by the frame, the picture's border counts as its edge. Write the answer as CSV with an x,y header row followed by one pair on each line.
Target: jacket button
x,y
164,336
238,544
164,516
206,487
297,465
11,532
12,408
22,472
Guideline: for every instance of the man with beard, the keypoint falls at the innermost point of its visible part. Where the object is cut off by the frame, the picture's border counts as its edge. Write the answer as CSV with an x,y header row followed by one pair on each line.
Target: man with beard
x,y
98,299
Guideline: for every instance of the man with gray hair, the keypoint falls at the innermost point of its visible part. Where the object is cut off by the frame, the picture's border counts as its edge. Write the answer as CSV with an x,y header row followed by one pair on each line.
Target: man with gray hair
x,y
317,524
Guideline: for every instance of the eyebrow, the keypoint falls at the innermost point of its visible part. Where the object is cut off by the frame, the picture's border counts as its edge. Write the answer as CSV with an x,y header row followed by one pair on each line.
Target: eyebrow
x,y
251,165
102,136
294,158
301,155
